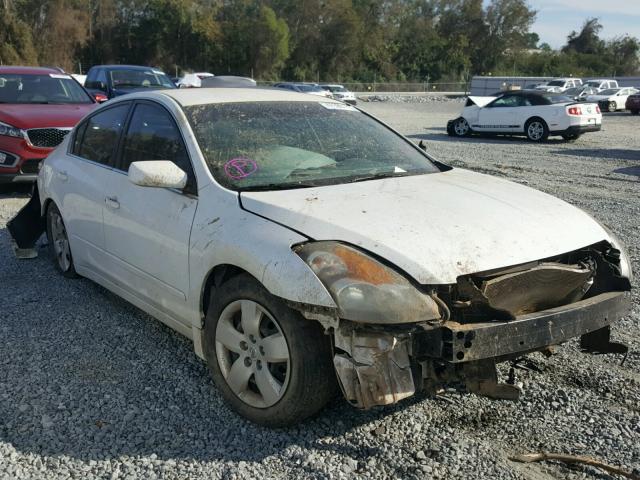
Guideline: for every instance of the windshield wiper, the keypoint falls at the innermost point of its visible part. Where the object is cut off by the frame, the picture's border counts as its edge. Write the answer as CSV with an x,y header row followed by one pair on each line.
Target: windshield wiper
x,y
377,176
276,186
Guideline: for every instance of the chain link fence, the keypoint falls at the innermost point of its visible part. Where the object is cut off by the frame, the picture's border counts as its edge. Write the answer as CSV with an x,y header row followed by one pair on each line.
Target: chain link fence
x,y
404,87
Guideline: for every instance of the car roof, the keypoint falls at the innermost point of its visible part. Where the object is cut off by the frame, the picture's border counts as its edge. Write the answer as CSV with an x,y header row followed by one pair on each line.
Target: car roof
x,y
128,67
202,96
18,70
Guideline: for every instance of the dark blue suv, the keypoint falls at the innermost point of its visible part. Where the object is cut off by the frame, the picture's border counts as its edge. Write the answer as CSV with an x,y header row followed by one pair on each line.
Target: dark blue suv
x,y
108,81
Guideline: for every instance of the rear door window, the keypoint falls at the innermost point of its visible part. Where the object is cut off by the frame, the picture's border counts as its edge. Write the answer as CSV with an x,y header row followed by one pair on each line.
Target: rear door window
x,y
153,135
101,134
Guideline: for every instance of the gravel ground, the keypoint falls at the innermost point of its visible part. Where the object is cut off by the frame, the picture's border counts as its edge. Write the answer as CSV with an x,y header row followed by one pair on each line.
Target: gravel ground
x,y
91,387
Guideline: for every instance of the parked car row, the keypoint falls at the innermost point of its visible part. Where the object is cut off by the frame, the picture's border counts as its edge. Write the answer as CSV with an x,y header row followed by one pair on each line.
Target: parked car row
x,y
336,91
606,92
41,105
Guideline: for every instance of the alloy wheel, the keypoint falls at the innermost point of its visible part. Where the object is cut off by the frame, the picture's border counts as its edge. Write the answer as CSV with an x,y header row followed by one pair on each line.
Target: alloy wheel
x,y
60,242
461,127
252,353
535,130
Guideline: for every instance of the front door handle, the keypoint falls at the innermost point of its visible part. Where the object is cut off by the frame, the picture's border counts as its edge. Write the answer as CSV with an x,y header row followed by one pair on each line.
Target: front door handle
x,y
112,202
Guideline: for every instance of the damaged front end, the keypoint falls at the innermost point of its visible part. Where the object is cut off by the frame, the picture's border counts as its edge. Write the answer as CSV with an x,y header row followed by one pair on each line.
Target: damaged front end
x,y
486,318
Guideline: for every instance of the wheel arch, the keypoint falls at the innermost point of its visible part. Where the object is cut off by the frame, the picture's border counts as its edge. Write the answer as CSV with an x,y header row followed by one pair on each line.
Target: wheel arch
x,y
217,276
532,118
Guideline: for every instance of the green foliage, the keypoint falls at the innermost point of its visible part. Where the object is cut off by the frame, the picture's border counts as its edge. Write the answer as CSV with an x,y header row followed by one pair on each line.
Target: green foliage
x,y
310,40
16,45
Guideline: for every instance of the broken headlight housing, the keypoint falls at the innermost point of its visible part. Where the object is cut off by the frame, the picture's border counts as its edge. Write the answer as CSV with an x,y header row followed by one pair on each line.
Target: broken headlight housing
x,y
625,260
364,289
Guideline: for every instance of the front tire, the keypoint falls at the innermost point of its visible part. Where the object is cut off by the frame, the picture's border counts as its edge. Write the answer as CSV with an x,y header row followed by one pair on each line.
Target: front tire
x,y
271,365
59,242
536,130
460,128
613,106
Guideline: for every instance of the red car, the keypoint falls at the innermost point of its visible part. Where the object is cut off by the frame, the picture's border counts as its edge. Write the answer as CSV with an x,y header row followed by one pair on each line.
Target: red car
x,y
38,107
633,104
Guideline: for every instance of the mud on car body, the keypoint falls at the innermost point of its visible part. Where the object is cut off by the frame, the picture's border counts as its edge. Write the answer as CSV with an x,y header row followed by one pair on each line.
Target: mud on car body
x,y
306,245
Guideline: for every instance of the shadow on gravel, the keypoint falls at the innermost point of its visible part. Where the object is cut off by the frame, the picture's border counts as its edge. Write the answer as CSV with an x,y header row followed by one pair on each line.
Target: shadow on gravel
x,y
612,153
633,171
85,374
15,190
443,137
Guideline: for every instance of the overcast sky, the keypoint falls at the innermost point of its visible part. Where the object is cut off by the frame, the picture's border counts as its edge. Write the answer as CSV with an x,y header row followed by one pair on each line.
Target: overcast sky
x,y
557,18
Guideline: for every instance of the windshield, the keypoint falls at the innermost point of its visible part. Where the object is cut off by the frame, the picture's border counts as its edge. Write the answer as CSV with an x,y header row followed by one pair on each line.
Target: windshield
x,y
335,89
593,84
556,83
559,98
280,145
610,91
140,79
37,89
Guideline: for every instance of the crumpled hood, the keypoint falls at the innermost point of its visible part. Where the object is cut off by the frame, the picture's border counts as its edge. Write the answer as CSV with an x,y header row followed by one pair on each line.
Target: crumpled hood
x,y
435,227
43,115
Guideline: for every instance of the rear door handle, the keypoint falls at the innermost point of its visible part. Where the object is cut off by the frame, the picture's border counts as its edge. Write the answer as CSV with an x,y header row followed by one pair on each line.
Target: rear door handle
x,y
62,175
112,202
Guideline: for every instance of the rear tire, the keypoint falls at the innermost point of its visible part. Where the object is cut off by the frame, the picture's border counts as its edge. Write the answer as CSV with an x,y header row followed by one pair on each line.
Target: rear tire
x,y
59,242
459,128
272,365
536,130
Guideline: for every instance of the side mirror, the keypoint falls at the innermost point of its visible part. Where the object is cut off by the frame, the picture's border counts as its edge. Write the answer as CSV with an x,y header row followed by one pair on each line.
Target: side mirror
x,y
100,97
157,173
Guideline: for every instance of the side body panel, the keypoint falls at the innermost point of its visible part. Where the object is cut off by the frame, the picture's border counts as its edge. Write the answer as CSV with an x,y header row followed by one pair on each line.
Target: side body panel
x,y
224,234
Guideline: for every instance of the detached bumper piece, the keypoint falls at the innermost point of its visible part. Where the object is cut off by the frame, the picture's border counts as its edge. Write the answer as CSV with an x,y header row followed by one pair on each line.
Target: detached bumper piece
x,y
374,369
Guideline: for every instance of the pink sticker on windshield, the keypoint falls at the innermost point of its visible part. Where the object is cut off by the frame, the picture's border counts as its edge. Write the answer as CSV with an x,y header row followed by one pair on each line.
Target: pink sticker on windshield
x,y
240,167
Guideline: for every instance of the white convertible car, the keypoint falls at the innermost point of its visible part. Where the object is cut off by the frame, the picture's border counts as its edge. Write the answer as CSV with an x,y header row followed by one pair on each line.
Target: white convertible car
x,y
301,244
613,99
535,114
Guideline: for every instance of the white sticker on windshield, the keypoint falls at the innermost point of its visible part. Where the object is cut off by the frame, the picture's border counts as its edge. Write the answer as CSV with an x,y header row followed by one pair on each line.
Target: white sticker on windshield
x,y
57,75
339,106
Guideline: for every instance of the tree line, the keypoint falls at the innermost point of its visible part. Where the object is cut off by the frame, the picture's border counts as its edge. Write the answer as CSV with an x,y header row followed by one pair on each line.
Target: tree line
x,y
327,40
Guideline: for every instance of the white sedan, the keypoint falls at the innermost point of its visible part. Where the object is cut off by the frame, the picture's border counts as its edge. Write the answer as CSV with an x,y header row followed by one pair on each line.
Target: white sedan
x,y
613,99
300,243
535,114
